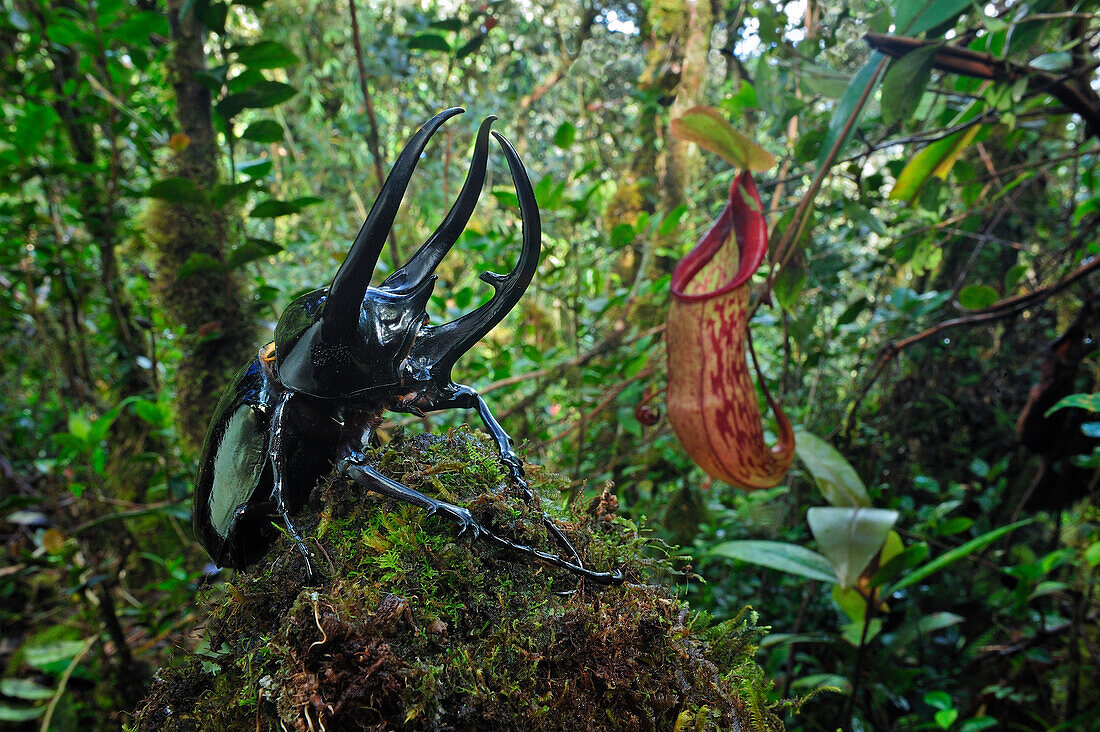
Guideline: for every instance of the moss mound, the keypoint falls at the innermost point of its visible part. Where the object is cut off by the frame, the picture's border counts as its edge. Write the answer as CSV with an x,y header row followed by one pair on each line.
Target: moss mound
x,y
412,627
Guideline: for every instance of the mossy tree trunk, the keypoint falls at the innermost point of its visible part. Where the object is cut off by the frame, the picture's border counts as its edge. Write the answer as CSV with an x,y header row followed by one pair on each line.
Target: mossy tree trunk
x,y
207,306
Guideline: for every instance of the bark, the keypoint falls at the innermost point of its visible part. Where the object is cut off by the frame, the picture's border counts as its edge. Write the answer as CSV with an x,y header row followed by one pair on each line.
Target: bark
x,y
208,306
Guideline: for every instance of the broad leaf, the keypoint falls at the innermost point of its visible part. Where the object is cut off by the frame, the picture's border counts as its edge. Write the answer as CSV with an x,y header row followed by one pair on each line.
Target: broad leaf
x,y
976,297
709,129
199,262
711,400
835,477
25,689
11,713
176,190
789,558
917,16
904,82
260,95
1090,402
848,110
46,655
429,42
266,55
565,135
272,208
264,130
850,537
937,158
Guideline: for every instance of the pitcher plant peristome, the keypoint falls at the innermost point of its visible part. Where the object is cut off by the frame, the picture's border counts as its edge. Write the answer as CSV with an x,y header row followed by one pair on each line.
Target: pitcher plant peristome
x,y
711,398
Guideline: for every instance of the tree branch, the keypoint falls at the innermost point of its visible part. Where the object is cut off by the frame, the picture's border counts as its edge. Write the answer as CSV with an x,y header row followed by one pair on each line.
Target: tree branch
x,y
998,311
956,60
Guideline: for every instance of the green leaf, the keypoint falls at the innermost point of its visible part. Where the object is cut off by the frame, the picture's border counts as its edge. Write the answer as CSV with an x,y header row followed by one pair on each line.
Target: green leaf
x,y
176,190
223,193
272,208
955,525
1092,554
853,634
52,652
850,537
834,475
9,713
266,55
936,159
950,557
25,689
256,169
260,95
250,251
850,602
565,135
152,412
916,16
880,22
212,15
790,558
709,129
136,29
938,700
904,82
470,46
978,297
199,262
1091,402
946,717
788,285
850,107
1057,61
264,130
428,42
447,24
978,723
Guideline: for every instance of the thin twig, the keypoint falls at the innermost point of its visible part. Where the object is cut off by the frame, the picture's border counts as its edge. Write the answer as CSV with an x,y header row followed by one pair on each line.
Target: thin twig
x,y
998,311
62,683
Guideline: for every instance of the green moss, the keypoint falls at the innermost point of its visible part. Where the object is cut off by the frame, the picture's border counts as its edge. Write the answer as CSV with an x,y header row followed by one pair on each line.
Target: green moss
x,y
413,627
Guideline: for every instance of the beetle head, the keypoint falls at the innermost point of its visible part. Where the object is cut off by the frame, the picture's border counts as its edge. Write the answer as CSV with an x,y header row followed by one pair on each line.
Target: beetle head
x,y
351,338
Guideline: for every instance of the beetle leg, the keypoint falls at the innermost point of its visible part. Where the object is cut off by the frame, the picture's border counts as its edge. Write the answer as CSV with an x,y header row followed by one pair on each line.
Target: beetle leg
x,y
278,469
604,578
467,398
354,466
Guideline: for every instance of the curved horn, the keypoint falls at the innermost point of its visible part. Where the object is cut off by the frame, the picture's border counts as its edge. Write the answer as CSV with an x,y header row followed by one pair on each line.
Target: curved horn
x,y
428,257
352,279
443,345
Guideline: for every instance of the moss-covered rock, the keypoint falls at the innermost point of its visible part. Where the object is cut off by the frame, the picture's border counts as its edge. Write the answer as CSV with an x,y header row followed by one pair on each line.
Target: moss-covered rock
x,y
412,627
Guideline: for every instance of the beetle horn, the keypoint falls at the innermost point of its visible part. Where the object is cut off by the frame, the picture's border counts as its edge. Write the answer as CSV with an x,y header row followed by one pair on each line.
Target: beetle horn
x,y
441,346
349,286
428,257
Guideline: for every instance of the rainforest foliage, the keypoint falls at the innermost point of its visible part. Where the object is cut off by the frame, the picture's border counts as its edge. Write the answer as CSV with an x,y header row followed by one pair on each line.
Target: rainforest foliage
x,y
173,173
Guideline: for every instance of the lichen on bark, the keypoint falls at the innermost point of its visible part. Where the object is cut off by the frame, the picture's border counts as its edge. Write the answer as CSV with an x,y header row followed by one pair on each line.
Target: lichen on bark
x,y
412,627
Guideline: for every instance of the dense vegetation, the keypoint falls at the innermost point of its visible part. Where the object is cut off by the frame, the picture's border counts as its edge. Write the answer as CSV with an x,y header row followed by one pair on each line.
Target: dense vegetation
x,y
172,174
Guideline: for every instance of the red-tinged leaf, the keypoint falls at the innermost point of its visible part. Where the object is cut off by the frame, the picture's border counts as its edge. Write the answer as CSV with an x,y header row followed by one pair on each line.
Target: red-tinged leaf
x,y
711,397
709,129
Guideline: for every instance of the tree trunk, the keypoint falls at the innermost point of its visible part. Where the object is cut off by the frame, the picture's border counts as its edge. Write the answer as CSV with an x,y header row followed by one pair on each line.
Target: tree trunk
x,y
206,306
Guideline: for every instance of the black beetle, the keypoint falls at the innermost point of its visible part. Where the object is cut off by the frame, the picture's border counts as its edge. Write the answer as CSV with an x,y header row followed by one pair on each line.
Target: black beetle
x,y
344,355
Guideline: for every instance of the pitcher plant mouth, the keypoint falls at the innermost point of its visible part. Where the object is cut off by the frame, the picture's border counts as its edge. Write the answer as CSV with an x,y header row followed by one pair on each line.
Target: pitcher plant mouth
x,y
711,399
